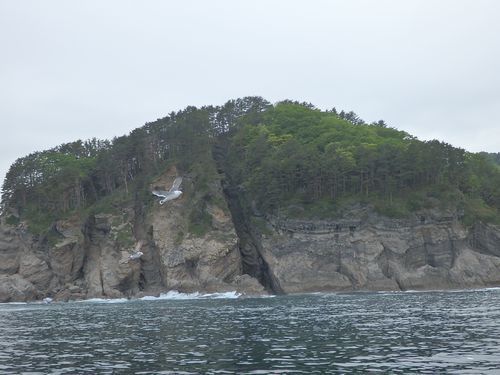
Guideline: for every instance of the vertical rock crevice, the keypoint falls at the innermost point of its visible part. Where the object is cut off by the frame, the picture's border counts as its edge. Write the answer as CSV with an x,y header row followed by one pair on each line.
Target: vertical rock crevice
x,y
249,243
93,232
151,275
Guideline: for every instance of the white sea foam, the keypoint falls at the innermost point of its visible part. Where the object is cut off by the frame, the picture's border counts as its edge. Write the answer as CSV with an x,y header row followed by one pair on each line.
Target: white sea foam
x,y
170,295
14,303
104,300
175,295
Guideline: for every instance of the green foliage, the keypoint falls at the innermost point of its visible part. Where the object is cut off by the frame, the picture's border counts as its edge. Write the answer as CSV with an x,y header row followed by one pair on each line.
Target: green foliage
x,y
493,157
397,208
288,158
320,209
477,210
39,222
12,220
110,204
261,225
200,222
179,237
53,237
301,156
124,238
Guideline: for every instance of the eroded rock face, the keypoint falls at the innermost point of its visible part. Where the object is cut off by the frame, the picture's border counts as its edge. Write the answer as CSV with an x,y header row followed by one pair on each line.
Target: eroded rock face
x,y
9,251
92,258
190,262
24,274
363,251
35,270
383,254
107,269
16,289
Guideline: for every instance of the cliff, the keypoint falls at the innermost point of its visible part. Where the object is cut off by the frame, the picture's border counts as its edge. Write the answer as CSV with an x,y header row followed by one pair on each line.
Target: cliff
x,y
368,252
91,257
243,251
279,198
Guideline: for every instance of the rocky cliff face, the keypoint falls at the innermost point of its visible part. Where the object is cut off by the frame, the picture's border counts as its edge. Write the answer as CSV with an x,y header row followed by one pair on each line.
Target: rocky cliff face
x,y
92,258
362,251
368,252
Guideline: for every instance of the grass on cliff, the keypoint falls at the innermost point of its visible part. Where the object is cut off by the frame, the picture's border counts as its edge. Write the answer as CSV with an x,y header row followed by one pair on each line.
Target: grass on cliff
x,y
124,238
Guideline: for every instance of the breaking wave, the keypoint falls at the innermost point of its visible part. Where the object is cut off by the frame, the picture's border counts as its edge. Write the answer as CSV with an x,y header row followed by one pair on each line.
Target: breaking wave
x,y
104,300
174,294
170,295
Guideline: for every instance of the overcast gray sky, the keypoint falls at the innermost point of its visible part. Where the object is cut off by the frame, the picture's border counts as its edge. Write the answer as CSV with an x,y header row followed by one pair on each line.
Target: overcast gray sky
x,y
94,68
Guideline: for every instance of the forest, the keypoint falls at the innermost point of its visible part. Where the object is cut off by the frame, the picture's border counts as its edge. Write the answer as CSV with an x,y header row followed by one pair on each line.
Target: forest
x,y
287,157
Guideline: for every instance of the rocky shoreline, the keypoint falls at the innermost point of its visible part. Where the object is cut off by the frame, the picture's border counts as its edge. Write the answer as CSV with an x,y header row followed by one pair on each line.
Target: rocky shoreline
x,y
363,251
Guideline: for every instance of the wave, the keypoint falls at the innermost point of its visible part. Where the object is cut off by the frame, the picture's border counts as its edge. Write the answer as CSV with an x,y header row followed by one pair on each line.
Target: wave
x,y
104,300
175,295
170,295
13,303
466,290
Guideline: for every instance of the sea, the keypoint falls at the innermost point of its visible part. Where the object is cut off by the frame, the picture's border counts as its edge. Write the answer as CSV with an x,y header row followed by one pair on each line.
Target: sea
x,y
437,332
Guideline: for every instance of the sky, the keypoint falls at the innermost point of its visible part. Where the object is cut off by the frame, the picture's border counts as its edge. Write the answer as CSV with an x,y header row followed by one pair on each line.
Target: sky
x,y
99,68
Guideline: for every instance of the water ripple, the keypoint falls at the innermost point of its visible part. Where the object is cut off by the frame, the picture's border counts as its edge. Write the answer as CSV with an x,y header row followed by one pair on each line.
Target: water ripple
x,y
337,333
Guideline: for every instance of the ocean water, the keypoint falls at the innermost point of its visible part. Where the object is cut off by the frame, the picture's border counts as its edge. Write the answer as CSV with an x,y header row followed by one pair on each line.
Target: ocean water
x,y
411,332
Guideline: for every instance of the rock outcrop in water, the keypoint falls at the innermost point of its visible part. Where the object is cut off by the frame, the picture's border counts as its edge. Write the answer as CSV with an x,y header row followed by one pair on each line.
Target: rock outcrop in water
x,y
364,251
